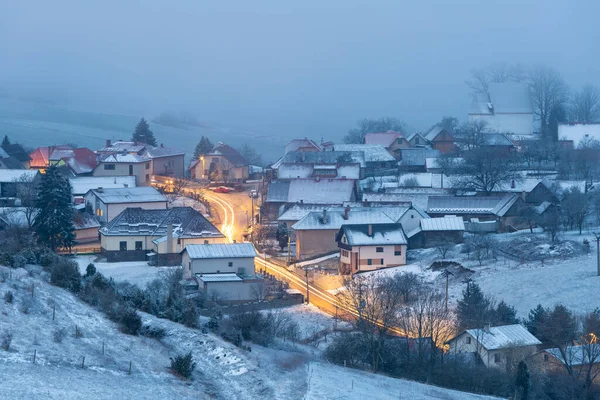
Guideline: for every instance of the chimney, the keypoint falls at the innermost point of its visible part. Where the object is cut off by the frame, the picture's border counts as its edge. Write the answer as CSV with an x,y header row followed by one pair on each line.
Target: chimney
x,y
324,216
370,231
100,189
346,211
486,328
512,184
107,142
170,238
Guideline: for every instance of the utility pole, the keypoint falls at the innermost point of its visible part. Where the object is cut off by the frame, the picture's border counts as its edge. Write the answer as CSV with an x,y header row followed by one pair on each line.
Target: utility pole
x,y
306,268
447,274
597,235
289,249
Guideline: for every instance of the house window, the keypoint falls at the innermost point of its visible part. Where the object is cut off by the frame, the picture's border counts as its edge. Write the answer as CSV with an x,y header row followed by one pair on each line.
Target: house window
x,y
417,140
379,249
241,271
147,177
398,252
109,167
496,358
206,242
369,262
468,339
178,240
123,246
99,212
190,265
147,165
381,261
130,170
230,264
399,140
138,245
545,357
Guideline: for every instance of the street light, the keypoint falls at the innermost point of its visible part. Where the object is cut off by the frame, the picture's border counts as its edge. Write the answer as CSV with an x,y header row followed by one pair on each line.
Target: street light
x,y
202,159
306,268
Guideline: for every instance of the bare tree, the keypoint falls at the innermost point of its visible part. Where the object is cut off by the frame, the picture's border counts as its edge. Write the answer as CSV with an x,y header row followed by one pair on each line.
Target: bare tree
x,y
250,154
27,189
585,105
177,188
549,92
576,207
369,125
495,73
472,134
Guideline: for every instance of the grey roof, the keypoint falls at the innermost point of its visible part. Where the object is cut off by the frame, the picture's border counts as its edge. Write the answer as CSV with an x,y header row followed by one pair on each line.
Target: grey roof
x,y
11,162
493,205
160,151
296,144
277,192
323,191
417,155
385,139
577,355
123,146
230,154
322,157
496,139
382,235
298,211
442,224
12,175
142,194
335,219
81,185
231,277
227,250
187,223
505,336
372,152
433,132
123,158
503,98
84,220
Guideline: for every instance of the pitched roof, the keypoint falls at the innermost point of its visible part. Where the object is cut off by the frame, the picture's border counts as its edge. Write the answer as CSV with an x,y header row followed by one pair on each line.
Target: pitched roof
x,y
434,132
323,157
372,152
577,355
84,220
323,191
123,146
17,151
81,185
231,277
277,192
11,162
226,250
496,139
335,219
122,158
384,139
578,132
382,234
298,211
142,194
504,336
296,144
161,151
493,205
506,97
417,155
442,224
40,157
187,223
230,154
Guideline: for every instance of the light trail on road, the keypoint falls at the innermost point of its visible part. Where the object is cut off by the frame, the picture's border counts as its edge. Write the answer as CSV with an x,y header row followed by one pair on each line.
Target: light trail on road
x,y
228,216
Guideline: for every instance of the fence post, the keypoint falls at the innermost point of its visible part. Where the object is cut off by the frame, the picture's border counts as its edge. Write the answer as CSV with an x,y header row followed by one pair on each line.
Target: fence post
x,y
82,362
129,368
34,354
53,311
103,347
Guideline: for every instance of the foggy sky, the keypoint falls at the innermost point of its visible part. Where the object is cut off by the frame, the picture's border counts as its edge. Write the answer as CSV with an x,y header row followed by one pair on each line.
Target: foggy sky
x,y
314,66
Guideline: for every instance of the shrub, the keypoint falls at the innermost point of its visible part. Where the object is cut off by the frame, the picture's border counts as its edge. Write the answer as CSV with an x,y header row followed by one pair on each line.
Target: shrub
x,y
233,336
131,322
59,334
8,296
153,332
65,274
6,340
183,365
18,261
90,270
26,305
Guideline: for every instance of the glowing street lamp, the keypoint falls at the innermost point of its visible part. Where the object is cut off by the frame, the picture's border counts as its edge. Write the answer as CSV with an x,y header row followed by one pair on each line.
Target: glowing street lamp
x,y
202,159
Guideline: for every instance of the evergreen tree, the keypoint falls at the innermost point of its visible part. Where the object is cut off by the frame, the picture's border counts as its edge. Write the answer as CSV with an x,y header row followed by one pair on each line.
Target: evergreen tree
x,y
473,310
591,323
522,382
5,141
143,134
536,321
505,314
203,147
54,222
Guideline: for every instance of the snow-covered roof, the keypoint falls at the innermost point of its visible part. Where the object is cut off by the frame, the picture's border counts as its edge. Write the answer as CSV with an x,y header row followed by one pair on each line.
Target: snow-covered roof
x,y
161,151
277,192
505,336
385,139
230,154
523,185
187,223
335,219
84,220
495,205
298,211
13,175
142,194
496,139
442,224
123,146
577,355
566,185
324,157
434,132
323,191
502,98
578,132
15,216
372,152
298,144
225,250
123,158
417,155
81,185
390,198
381,234
231,277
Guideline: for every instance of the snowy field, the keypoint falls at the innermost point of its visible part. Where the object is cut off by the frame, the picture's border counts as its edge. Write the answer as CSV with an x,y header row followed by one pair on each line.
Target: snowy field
x,y
328,381
136,272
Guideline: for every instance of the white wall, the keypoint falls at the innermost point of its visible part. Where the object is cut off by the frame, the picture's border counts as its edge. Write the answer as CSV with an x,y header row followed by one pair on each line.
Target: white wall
x,y
111,243
161,248
370,252
410,220
216,265
141,171
232,291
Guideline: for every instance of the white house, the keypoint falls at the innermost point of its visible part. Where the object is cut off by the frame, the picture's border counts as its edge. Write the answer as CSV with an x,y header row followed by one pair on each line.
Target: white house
x,y
82,184
496,346
223,271
506,108
577,133
106,204
368,247
125,164
156,235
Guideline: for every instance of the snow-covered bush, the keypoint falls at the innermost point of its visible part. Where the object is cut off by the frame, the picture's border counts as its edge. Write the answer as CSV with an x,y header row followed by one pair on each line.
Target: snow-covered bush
x,y
153,332
59,334
6,340
65,274
8,296
18,261
183,365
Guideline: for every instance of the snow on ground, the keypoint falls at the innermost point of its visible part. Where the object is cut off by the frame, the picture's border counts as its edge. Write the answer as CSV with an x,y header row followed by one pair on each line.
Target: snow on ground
x,y
181,201
326,381
136,272
310,319
318,260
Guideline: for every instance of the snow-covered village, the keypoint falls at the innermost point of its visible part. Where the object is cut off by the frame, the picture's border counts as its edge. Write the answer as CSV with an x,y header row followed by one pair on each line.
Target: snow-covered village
x,y
198,220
